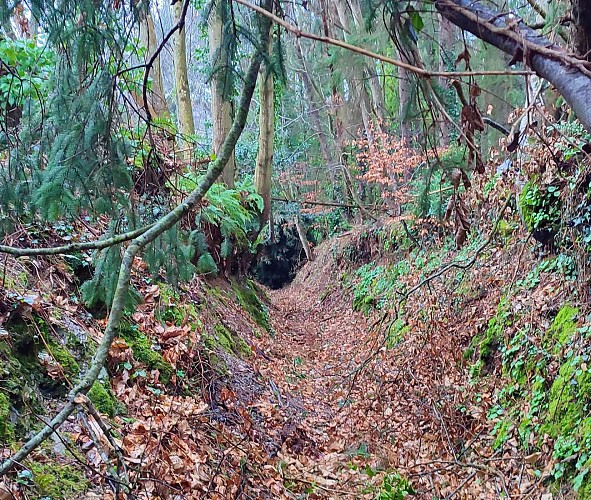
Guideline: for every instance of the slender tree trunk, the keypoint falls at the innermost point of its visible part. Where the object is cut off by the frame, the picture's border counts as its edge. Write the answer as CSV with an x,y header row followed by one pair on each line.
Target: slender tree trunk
x,y
357,81
404,105
377,93
446,39
302,236
313,106
183,92
264,161
221,104
156,96
351,18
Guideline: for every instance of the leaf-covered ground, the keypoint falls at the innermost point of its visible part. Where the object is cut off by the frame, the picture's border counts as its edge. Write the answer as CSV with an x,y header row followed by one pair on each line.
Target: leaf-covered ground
x,y
228,391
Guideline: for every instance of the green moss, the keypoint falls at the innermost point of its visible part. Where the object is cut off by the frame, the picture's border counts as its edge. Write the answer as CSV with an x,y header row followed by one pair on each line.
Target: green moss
x,y
252,304
563,327
103,399
568,398
506,229
6,428
226,340
584,491
143,351
483,345
55,481
63,356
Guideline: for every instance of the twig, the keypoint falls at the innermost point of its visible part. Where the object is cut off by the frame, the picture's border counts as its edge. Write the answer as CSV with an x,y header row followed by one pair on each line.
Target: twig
x,y
325,203
469,263
461,485
107,432
382,319
101,451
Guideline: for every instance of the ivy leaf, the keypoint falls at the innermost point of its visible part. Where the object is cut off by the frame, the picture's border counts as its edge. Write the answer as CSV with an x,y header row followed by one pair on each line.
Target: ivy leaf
x,y
417,21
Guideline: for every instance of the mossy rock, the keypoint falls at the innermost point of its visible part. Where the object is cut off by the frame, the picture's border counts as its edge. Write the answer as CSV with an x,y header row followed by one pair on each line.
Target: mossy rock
x,y
563,327
6,427
56,481
144,352
228,341
569,398
507,229
249,299
484,344
103,399
64,357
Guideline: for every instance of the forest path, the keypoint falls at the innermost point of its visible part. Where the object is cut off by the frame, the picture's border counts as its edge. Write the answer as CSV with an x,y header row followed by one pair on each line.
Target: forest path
x,y
318,345
359,410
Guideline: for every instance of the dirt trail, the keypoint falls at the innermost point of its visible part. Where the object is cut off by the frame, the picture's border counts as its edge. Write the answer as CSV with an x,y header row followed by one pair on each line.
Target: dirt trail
x,y
318,344
346,432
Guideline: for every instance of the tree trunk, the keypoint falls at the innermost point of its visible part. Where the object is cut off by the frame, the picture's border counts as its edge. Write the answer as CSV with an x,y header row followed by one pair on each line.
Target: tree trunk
x,y
357,81
404,104
377,94
221,104
183,92
313,106
156,100
264,162
545,58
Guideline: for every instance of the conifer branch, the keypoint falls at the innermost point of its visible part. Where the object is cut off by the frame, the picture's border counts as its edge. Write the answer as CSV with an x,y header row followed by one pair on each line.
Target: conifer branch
x,y
139,243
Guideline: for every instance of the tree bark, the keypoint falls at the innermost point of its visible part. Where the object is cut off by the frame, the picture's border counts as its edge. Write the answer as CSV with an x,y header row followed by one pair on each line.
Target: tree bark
x,y
347,17
548,60
183,91
404,105
264,161
446,39
303,239
377,93
221,103
313,107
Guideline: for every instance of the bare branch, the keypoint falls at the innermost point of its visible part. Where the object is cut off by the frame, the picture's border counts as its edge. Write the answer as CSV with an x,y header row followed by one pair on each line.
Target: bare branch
x,y
339,43
76,247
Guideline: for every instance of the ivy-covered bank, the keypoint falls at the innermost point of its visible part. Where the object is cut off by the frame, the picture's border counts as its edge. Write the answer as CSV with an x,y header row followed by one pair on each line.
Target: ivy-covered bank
x,y
524,334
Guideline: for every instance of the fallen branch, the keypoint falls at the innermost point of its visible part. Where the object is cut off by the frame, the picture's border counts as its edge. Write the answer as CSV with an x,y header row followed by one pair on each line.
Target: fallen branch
x,y
327,204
